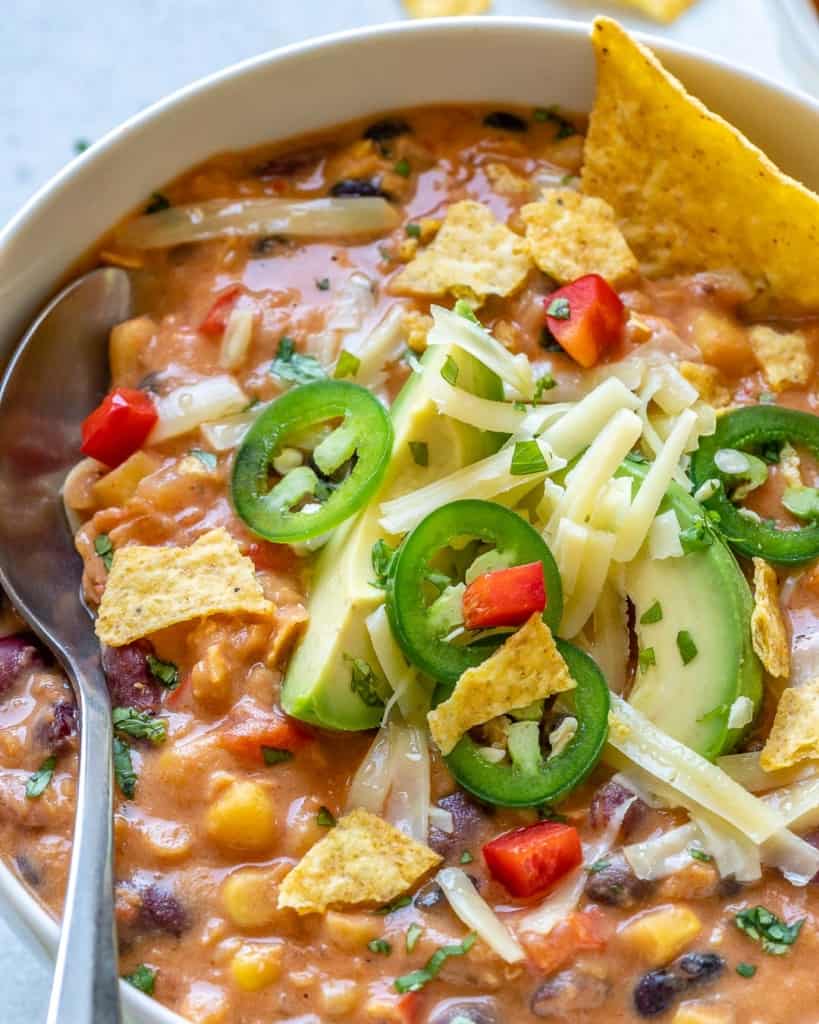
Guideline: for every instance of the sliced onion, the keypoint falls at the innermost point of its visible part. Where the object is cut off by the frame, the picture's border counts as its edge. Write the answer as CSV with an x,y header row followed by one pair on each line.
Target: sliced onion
x,y
223,218
354,302
409,799
441,819
662,855
371,783
382,346
224,435
185,408
477,915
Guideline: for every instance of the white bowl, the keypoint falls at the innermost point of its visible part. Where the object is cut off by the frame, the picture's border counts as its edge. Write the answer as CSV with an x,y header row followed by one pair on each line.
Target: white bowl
x,y
799,21
315,85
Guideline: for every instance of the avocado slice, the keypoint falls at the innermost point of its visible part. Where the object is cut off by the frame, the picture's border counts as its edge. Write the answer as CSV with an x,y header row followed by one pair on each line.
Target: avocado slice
x,y
333,677
705,594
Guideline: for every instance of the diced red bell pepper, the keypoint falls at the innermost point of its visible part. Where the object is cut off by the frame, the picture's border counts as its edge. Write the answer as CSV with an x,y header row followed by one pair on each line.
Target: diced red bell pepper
x,y
408,1007
250,727
118,426
586,317
506,597
217,317
532,860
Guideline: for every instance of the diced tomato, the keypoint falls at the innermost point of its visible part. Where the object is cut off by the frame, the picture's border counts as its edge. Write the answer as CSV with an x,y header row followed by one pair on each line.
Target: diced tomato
x,y
250,727
217,316
532,860
586,317
506,597
408,1007
118,426
584,932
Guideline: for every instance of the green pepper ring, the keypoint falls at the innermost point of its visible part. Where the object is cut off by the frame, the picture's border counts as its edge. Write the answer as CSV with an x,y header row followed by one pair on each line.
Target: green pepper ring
x,y
294,412
506,785
743,429
487,521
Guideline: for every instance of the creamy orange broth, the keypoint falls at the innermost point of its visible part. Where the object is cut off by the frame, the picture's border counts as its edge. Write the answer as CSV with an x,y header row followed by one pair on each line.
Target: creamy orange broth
x,y
171,905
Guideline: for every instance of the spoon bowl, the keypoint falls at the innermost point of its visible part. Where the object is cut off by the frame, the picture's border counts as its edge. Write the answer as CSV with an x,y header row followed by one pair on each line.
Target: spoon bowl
x,y
56,376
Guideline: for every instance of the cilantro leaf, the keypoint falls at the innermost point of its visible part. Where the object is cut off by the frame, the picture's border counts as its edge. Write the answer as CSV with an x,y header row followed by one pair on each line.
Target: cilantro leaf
x,y
39,782
124,768
763,926
105,549
416,980
164,672
291,366
143,978
141,725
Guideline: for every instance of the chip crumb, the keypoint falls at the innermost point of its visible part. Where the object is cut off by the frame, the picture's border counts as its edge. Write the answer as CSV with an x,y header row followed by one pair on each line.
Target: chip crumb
x,y
506,181
151,588
526,668
708,382
572,235
417,325
664,11
445,8
472,256
794,735
790,466
783,358
770,637
363,859
691,193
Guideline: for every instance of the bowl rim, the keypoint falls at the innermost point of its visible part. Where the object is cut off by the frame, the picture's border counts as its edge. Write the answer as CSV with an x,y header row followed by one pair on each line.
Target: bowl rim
x,y
24,909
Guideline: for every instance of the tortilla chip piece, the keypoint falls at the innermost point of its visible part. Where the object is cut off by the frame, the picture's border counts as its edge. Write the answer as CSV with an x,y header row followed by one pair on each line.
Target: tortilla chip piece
x,y
151,588
689,191
445,8
572,235
708,382
472,256
794,735
790,466
768,632
526,668
362,860
506,181
783,358
661,10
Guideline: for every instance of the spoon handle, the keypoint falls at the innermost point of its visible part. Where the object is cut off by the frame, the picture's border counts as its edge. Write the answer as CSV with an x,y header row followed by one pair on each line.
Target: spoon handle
x,y
86,977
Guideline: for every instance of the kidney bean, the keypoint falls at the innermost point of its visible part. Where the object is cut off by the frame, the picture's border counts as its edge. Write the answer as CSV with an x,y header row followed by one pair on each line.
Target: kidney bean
x,y
357,188
62,728
569,993
606,801
162,910
17,653
616,885
130,682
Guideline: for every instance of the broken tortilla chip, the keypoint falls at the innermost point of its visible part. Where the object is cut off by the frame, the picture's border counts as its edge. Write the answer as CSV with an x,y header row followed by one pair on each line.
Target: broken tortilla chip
x,y
150,588
472,256
783,358
708,382
445,8
528,667
362,860
768,632
661,10
689,191
572,235
794,735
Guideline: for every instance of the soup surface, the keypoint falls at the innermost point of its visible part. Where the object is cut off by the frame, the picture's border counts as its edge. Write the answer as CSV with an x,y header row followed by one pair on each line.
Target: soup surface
x,y
218,803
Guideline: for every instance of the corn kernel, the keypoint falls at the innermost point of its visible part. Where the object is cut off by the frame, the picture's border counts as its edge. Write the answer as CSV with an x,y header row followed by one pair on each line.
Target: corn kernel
x,y
339,997
351,932
125,347
705,1012
659,935
242,818
257,965
249,897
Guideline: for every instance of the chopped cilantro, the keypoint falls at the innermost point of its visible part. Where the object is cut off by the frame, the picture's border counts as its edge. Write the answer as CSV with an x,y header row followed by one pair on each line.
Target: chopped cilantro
x,y
379,946
347,365
140,724
686,646
766,398
323,284
462,308
519,406
652,615
466,857
157,203
381,556
403,168
763,926
272,755
414,933
527,458
449,371
544,383
413,230
325,818
416,980
559,308
165,671
399,904
599,865
289,365
646,658
105,549
746,970
362,682
39,782
700,855
143,978
208,459
420,452
771,452
124,768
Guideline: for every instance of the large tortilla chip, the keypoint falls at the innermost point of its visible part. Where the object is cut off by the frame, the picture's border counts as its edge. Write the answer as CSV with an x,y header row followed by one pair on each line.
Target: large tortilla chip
x,y
768,632
572,235
362,860
472,256
689,191
794,736
152,588
528,667
661,10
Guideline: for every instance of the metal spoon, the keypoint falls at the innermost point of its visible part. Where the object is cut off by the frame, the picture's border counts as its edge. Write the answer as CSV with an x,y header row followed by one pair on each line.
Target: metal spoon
x,y
56,376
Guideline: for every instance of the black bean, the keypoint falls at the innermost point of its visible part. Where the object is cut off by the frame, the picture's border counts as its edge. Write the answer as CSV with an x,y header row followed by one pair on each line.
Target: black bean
x,y
729,886
17,653
615,884
162,910
569,993
388,128
268,245
428,896
28,870
606,801
656,991
480,1010
130,682
506,121
467,817
696,967
358,188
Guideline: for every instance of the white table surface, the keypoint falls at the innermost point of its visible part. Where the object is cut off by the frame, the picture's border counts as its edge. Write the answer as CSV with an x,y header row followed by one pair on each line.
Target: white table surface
x,y
73,70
